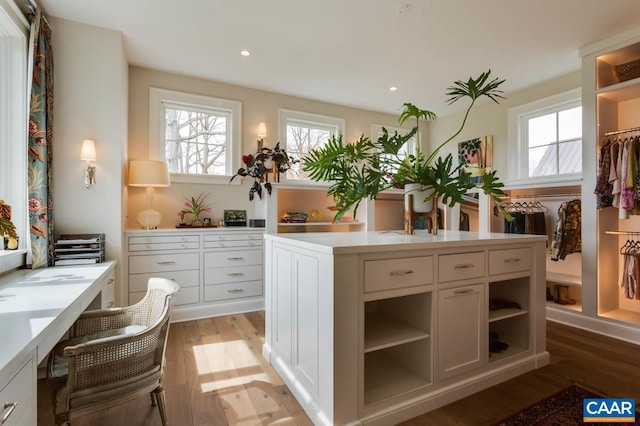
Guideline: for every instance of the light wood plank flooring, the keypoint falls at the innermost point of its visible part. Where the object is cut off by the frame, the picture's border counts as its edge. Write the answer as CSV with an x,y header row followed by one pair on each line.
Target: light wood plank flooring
x,y
216,376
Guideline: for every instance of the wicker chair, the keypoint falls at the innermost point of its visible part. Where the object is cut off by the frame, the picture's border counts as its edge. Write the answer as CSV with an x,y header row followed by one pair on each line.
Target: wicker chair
x,y
113,356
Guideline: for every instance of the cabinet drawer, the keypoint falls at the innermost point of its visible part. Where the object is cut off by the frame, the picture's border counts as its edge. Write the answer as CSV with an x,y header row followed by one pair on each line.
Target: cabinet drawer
x,y
164,239
233,243
453,267
233,274
232,291
396,273
139,282
163,262
222,259
505,261
20,390
185,296
163,246
233,237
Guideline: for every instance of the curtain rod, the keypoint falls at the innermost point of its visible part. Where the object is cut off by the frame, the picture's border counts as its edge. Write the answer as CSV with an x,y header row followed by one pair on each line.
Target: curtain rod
x,y
617,132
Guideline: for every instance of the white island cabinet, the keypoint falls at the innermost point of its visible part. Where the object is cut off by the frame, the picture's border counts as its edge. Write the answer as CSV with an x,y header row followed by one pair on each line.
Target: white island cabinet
x,y
376,328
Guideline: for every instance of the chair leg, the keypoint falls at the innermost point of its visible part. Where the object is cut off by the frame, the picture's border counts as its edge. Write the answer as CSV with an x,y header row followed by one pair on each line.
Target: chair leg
x,y
162,407
154,400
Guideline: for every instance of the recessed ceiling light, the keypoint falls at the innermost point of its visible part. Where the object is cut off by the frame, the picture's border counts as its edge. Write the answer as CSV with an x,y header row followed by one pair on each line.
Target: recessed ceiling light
x,y
393,88
245,53
402,9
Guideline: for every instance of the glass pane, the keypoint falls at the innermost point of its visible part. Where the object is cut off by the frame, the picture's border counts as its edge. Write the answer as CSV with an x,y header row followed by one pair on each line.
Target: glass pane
x,y
570,124
195,142
300,140
542,161
570,157
542,130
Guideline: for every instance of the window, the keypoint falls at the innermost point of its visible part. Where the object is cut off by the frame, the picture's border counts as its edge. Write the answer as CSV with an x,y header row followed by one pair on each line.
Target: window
x,y
303,132
198,136
408,148
549,140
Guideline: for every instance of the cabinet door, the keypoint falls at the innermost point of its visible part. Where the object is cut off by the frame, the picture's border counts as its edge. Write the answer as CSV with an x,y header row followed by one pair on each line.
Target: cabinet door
x,y
461,330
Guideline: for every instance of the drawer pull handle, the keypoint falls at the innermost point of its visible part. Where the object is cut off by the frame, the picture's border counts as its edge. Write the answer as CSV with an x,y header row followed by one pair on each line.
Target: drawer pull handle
x,y
235,258
236,274
512,260
167,262
110,281
467,290
393,273
464,266
7,410
237,290
110,304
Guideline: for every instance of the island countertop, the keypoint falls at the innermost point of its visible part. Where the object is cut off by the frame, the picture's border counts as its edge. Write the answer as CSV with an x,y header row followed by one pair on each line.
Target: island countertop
x,y
375,241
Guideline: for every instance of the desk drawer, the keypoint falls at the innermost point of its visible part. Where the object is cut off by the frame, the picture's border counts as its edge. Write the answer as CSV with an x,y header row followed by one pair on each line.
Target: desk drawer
x,y
163,262
232,291
164,239
20,391
185,296
454,267
513,260
233,237
163,246
397,273
232,243
223,259
139,282
232,274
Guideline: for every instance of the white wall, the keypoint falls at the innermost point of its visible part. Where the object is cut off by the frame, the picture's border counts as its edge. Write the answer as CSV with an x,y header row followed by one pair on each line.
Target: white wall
x,y
90,102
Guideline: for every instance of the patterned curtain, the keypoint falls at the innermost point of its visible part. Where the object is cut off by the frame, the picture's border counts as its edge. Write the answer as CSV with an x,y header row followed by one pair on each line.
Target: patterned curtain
x,y
39,145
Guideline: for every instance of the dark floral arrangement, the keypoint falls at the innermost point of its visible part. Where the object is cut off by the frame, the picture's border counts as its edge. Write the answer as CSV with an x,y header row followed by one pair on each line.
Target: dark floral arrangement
x,y
7,228
258,166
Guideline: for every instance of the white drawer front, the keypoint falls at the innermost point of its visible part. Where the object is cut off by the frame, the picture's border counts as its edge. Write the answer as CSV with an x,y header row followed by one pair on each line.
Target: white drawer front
x,y
396,273
233,274
163,246
164,239
505,261
185,296
163,262
20,390
138,282
232,291
453,267
232,243
222,259
233,237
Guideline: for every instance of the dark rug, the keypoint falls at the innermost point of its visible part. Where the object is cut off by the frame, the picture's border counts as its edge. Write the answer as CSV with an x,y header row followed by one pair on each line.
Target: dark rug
x,y
563,408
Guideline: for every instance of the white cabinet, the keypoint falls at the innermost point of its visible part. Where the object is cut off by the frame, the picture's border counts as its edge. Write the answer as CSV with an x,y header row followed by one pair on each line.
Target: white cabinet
x,y
18,395
108,292
219,269
461,330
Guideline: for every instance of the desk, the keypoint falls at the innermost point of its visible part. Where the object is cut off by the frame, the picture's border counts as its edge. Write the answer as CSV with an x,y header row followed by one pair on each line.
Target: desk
x,y
36,308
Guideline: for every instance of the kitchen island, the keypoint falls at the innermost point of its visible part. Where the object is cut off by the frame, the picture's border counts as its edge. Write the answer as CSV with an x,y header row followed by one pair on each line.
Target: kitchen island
x,y
379,327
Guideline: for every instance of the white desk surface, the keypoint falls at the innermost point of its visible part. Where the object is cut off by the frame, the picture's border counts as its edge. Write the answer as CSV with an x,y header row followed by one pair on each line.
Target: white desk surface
x,y
38,306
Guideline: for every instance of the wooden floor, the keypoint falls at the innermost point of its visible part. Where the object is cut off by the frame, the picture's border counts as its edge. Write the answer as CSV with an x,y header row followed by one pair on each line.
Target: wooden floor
x,y
216,376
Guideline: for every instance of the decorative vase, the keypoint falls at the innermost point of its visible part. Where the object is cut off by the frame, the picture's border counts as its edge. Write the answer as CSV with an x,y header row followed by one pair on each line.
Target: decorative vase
x,y
422,201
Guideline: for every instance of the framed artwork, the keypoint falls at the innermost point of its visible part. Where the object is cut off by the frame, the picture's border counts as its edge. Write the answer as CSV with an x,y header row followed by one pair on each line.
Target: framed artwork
x,y
235,218
476,156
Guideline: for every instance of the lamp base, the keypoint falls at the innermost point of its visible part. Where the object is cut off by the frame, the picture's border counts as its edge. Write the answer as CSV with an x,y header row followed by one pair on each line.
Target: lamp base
x,y
149,219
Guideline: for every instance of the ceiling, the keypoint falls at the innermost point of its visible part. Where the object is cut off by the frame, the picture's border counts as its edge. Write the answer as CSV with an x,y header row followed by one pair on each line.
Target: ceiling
x,y
350,52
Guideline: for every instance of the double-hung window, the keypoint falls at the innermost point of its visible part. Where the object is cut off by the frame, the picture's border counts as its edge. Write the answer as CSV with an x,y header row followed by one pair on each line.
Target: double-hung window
x,y
303,132
198,136
548,135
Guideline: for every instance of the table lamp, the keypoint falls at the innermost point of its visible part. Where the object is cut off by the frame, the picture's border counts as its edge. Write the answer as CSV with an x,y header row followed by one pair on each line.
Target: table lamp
x,y
150,174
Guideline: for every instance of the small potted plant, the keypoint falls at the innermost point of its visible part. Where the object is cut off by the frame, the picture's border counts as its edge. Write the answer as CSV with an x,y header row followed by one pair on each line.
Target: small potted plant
x,y
195,206
362,169
258,166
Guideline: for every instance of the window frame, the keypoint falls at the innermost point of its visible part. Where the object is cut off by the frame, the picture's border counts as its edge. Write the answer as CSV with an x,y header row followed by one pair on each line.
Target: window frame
x,y
284,115
518,150
157,100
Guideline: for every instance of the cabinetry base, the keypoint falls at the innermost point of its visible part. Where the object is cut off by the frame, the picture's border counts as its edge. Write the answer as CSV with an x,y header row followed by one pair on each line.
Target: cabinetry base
x,y
188,313
604,326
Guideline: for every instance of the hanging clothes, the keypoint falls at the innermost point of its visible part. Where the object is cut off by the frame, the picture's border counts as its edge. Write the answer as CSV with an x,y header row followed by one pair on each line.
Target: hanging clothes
x,y
630,272
614,172
528,218
566,237
604,188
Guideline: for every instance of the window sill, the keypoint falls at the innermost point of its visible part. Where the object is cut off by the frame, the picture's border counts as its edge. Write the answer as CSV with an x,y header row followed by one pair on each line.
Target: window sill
x,y
11,259
543,183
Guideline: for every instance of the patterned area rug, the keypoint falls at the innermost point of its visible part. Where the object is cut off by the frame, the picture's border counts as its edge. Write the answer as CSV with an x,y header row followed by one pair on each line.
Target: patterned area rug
x,y
561,409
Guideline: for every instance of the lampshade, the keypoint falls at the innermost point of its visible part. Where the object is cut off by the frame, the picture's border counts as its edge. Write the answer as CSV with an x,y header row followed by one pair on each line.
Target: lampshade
x,y
88,151
262,130
148,173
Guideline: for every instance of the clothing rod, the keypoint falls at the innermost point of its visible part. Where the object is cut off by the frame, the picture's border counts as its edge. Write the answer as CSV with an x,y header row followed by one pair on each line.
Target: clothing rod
x,y
617,132
538,196
622,232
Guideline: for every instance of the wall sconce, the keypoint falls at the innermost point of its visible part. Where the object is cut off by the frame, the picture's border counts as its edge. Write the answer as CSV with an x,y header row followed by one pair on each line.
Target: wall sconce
x,y
262,133
88,154
149,174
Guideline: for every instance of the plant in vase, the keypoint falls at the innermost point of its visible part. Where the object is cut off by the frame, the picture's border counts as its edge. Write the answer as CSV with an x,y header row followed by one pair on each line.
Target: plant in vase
x,y
258,166
362,169
7,228
195,206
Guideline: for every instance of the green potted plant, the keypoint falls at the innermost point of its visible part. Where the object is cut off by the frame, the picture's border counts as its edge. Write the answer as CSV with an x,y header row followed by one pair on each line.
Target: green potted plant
x,y
362,169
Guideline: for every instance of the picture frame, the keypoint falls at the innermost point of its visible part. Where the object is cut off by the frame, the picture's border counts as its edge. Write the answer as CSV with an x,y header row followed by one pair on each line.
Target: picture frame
x,y
476,157
235,218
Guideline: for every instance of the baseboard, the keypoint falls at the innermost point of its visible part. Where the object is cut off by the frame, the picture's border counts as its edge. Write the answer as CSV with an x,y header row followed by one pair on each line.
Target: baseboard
x,y
604,326
215,309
